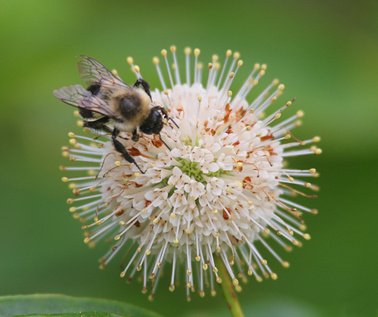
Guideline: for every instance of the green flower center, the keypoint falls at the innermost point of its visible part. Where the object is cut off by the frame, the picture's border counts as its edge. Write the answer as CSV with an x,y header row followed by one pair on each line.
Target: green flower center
x,y
193,170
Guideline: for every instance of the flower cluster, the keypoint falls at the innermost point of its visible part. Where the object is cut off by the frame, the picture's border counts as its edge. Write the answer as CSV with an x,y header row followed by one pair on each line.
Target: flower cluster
x,y
216,185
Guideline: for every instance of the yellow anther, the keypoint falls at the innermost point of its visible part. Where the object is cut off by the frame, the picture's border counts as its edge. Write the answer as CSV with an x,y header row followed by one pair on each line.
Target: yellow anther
x,y
302,227
164,52
117,163
281,87
136,69
155,60
173,48
187,50
214,58
64,179
285,264
306,236
274,276
72,141
238,288
300,113
197,51
130,60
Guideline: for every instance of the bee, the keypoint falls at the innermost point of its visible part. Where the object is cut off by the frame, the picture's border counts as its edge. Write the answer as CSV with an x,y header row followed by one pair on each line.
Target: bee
x,y
108,104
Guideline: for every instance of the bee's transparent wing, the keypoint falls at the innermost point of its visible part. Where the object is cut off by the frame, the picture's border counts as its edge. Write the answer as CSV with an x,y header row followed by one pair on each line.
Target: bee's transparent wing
x,y
79,97
93,72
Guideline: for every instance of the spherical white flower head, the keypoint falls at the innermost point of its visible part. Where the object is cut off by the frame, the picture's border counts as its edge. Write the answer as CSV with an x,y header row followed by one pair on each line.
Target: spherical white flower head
x,y
215,184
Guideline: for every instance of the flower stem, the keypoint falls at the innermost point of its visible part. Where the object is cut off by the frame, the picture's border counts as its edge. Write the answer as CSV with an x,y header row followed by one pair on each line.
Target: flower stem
x,y
229,290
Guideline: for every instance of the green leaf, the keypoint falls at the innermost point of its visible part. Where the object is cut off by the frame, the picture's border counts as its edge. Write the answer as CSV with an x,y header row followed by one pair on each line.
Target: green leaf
x,y
43,305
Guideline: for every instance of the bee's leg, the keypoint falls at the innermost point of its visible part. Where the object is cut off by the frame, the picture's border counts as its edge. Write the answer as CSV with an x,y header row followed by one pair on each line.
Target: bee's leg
x,y
135,136
141,83
98,124
121,149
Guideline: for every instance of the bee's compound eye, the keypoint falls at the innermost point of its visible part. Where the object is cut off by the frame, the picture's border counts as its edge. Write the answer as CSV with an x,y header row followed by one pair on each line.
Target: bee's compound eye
x,y
129,106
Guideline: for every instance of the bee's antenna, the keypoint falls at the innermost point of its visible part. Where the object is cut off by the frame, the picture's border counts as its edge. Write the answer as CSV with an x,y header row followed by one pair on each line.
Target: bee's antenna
x,y
164,142
169,118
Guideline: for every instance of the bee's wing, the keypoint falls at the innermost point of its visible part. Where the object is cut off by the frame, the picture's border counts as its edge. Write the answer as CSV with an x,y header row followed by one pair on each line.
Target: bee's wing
x,y
93,72
79,97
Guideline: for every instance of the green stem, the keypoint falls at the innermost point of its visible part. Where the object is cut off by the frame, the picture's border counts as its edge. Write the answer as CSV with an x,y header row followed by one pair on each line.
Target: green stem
x,y
229,290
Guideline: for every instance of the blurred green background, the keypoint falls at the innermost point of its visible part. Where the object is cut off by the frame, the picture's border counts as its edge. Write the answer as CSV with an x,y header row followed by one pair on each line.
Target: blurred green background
x,y
325,52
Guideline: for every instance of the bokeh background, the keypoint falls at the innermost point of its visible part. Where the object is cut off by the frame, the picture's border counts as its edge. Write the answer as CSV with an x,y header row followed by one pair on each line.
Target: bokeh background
x,y
325,51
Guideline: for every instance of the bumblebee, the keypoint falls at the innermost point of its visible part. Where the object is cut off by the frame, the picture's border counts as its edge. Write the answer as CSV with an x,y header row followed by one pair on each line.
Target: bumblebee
x,y
110,105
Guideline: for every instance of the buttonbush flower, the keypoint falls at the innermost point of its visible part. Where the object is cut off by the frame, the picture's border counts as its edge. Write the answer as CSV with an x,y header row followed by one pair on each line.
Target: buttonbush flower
x,y
215,188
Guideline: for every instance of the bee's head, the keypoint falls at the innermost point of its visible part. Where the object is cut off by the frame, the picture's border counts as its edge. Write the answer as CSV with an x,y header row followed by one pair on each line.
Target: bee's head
x,y
153,123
